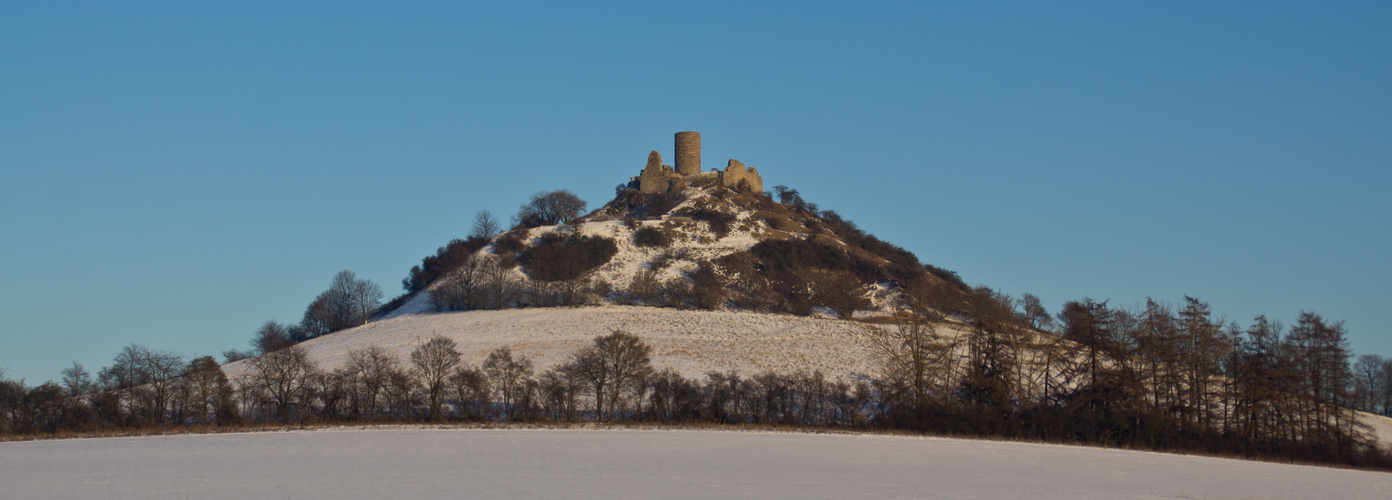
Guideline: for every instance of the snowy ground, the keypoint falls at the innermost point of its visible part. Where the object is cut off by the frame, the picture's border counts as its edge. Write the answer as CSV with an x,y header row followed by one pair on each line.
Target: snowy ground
x,y
453,463
692,342
1378,426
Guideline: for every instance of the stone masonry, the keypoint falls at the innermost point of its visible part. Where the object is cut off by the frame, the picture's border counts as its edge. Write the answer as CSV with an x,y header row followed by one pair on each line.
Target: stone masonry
x,y
659,178
735,173
688,151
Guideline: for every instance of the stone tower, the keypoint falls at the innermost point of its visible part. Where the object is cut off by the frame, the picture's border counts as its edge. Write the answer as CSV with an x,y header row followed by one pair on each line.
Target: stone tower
x,y
688,153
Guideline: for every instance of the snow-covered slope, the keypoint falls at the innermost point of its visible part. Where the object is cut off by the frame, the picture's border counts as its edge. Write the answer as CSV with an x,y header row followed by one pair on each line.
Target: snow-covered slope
x,y
692,342
454,463
689,242
689,245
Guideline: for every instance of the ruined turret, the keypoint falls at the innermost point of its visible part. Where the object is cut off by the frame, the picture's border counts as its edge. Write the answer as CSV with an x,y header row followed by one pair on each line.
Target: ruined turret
x,y
688,153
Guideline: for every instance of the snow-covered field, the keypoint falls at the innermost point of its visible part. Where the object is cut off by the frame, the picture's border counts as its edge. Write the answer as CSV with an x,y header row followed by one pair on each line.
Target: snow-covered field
x,y
457,463
692,342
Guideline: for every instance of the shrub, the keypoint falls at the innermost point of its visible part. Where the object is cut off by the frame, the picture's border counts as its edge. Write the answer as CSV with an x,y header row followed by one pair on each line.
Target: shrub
x,y
447,258
707,287
647,205
948,276
799,254
601,289
650,237
557,257
719,221
676,292
507,244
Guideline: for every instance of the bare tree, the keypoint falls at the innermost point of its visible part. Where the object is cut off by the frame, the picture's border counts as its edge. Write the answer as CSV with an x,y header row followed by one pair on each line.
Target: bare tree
x,y
145,379
611,365
912,355
471,390
372,367
164,367
464,287
485,225
208,388
347,303
1367,373
1385,384
403,396
507,375
282,376
500,283
434,360
1033,313
645,286
76,380
1321,364
560,389
271,337
550,208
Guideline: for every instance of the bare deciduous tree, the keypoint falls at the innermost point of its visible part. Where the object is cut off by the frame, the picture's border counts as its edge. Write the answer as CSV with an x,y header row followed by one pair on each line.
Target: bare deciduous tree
x,y
645,286
500,283
913,357
282,376
434,360
463,288
549,208
610,366
271,337
485,226
347,303
507,375
208,388
371,367
471,390
76,380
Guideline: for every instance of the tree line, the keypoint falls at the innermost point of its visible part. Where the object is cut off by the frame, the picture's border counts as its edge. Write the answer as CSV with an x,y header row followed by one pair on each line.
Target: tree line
x,y
1156,376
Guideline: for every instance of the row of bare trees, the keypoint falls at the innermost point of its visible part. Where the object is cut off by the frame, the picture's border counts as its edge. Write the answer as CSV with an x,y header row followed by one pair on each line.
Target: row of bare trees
x,y
142,387
1156,376
610,379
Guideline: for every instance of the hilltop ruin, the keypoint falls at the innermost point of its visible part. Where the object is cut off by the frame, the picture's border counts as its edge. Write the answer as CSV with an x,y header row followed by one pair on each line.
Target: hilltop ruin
x,y
659,178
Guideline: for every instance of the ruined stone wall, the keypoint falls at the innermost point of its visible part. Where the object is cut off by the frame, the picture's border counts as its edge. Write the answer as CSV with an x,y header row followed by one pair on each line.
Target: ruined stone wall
x,y
654,178
688,153
735,172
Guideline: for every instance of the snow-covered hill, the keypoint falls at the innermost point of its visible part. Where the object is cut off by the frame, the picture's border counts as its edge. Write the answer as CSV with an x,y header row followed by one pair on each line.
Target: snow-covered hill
x,y
692,342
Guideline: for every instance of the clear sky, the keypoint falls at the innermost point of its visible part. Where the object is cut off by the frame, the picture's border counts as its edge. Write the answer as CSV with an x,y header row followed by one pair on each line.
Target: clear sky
x,y
174,175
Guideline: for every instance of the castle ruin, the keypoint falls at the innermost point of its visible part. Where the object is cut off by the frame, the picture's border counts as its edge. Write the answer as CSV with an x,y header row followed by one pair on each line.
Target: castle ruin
x,y
659,178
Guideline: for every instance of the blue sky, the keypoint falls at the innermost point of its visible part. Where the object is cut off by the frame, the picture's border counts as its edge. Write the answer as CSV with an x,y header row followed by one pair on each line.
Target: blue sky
x,y
173,175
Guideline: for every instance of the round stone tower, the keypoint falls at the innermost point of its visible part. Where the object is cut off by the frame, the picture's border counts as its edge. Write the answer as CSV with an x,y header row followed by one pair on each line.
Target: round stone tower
x,y
688,153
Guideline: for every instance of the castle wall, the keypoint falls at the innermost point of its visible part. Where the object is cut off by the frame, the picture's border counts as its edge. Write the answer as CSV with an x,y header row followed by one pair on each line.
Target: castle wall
x,y
735,172
654,178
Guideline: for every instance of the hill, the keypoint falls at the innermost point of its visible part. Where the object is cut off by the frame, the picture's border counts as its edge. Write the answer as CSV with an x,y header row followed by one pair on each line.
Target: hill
x,y
690,341
699,246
